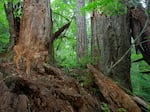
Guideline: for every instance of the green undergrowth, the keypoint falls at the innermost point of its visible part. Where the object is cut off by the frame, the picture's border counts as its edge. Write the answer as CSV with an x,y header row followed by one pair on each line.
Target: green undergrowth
x,y
140,81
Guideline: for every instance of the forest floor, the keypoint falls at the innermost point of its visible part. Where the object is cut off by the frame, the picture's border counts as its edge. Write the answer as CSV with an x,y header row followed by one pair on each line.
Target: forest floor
x,y
49,91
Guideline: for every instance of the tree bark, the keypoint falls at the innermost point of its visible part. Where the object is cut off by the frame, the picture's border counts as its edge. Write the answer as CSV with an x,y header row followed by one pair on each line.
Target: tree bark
x,y
9,10
109,45
81,33
50,45
115,96
35,24
142,42
34,34
95,40
114,43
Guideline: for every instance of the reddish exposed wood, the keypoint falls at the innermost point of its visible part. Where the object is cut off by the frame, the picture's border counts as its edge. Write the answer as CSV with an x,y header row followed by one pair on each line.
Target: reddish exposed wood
x,y
52,92
34,32
115,96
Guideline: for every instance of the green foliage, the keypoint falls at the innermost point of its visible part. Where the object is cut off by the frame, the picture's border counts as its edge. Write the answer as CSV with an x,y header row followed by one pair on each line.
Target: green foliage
x,y
17,11
84,61
4,34
121,110
85,80
105,107
108,7
65,54
140,82
65,46
148,108
13,1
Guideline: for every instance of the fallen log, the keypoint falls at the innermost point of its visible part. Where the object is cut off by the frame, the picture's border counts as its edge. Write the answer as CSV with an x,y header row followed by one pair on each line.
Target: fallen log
x,y
114,95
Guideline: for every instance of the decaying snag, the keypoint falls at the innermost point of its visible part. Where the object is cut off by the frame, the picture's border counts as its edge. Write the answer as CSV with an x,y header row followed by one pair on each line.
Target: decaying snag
x,y
34,33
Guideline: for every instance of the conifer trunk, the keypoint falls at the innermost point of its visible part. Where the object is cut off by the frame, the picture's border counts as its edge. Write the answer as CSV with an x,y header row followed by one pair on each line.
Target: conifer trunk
x,y
81,33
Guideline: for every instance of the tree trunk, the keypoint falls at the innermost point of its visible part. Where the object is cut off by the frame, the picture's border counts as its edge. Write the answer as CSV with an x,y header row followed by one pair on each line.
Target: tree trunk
x,y
81,33
11,21
51,41
34,34
95,41
35,23
109,44
114,43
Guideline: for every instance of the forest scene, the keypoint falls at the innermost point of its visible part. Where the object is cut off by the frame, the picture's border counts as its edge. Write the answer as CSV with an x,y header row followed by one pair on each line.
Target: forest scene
x,y
74,55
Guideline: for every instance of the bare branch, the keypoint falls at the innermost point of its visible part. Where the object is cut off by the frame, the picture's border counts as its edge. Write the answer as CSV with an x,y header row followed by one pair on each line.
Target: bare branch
x,y
140,34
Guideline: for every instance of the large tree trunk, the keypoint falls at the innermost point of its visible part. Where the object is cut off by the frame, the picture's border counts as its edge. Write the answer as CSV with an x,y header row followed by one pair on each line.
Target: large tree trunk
x,y
81,33
114,43
35,23
34,34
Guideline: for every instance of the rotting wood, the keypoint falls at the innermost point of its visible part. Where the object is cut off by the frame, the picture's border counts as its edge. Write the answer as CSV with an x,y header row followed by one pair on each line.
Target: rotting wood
x,y
115,96
52,92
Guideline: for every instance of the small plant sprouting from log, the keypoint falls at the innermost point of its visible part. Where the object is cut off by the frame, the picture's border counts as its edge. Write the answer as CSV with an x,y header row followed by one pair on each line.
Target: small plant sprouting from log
x,y
104,107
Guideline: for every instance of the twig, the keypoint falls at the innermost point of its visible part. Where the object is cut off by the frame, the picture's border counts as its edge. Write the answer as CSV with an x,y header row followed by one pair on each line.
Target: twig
x,y
144,28
142,42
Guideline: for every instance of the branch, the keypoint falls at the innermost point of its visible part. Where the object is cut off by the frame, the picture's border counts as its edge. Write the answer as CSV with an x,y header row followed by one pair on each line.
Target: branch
x,y
59,31
143,30
141,59
143,104
61,15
